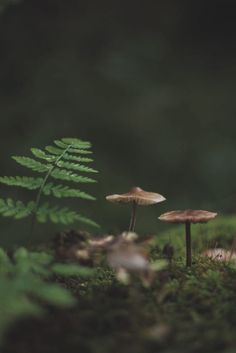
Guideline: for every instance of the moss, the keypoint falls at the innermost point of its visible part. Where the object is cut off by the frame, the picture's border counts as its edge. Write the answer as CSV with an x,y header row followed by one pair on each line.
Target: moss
x,y
186,310
197,306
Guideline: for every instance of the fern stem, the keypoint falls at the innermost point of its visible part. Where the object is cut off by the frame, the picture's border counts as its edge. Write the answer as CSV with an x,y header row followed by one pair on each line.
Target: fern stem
x,y
39,194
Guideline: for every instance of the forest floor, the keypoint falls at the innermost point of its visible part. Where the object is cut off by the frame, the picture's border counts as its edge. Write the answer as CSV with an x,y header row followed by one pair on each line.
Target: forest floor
x,y
188,310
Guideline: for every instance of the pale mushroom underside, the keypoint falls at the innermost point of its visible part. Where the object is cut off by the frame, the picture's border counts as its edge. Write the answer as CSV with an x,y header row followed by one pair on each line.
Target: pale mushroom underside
x,y
147,198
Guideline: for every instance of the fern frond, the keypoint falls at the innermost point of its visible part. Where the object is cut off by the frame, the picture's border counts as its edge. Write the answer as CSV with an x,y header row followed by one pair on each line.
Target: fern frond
x,y
80,151
61,191
78,159
61,144
18,210
63,161
63,174
54,150
87,221
76,143
29,183
58,191
76,166
58,151
61,215
53,157
42,155
72,143
15,209
32,164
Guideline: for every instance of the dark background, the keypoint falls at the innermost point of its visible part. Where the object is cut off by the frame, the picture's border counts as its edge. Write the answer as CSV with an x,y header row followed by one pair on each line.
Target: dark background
x,y
150,83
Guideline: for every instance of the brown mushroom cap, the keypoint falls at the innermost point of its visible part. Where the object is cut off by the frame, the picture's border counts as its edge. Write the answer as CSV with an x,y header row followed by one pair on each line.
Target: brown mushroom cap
x,y
191,216
137,195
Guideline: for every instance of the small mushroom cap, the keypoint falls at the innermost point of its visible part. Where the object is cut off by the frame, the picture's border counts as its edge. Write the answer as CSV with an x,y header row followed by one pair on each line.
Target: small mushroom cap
x,y
137,195
191,216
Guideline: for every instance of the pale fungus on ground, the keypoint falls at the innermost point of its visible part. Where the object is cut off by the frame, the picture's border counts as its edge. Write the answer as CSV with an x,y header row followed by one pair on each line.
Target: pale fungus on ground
x,y
220,254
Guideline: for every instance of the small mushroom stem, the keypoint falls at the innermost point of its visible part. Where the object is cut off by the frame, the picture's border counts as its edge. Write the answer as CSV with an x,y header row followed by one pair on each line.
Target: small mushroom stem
x,y
133,217
188,244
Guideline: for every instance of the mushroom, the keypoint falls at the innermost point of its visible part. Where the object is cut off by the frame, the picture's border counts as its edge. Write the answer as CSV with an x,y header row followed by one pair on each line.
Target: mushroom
x,y
136,196
188,217
128,256
220,254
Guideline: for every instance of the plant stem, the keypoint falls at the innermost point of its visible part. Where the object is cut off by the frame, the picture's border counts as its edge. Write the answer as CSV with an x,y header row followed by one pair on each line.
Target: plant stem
x,y
39,194
188,244
133,217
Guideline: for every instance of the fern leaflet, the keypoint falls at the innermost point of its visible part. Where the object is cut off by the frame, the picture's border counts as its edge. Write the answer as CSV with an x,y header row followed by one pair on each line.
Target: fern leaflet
x,y
15,209
29,183
63,174
32,164
76,166
78,159
63,215
61,191
58,191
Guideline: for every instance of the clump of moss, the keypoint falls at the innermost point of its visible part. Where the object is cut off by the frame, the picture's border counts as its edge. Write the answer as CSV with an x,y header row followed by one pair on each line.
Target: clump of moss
x,y
184,310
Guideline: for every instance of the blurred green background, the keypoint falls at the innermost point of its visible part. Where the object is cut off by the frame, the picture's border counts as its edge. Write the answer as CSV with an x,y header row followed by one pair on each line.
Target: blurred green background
x,y
151,84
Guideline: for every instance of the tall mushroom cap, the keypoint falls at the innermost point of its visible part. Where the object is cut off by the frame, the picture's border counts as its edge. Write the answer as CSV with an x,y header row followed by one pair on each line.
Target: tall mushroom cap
x,y
137,195
191,216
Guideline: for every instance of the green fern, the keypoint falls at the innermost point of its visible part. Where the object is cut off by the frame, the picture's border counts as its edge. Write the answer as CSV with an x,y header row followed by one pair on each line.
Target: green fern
x,y
58,190
16,209
25,287
60,162
24,182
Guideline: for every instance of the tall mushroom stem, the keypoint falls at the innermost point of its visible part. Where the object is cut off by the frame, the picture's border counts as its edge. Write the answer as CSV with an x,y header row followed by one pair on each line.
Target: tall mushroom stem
x,y
133,217
188,244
